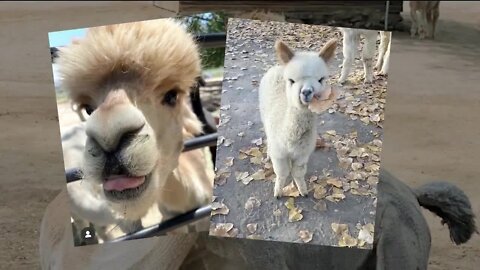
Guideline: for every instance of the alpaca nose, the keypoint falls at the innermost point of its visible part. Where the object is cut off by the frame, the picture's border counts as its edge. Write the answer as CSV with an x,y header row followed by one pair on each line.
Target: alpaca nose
x,y
114,121
307,91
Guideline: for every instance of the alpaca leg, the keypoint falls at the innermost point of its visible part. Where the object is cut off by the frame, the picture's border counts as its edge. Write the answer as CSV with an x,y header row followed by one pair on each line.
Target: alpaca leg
x,y
422,24
414,26
281,168
299,169
381,50
350,46
435,15
368,53
429,22
386,61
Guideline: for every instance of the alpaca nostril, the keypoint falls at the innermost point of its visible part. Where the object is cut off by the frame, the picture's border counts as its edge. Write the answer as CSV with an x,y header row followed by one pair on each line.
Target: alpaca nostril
x,y
127,137
307,92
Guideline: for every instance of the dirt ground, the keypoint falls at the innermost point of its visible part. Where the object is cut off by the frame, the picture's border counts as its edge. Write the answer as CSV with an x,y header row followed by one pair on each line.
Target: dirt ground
x,y
336,196
431,133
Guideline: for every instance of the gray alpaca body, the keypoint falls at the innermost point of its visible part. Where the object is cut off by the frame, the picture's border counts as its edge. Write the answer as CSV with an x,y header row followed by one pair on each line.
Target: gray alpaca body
x,y
402,238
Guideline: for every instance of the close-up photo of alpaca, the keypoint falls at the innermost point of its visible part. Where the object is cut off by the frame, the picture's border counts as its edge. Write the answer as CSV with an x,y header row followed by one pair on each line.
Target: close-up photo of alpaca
x,y
300,133
130,113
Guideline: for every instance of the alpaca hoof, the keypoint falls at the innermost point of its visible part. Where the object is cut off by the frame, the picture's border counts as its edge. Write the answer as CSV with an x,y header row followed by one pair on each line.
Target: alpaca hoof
x,y
277,193
367,82
381,73
303,192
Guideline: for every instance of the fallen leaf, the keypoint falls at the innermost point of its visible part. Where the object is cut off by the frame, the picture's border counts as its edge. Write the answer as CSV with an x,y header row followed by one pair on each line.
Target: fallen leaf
x,y
347,241
305,235
277,212
356,166
251,203
338,228
252,227
291,190
256,160
228,142
259,175
335,182
229,161
335,197
219,209
366,233
325,101
255,237
320,206
223,230
225,107
294,214
319,192
372,180
220,140
258,141
242,156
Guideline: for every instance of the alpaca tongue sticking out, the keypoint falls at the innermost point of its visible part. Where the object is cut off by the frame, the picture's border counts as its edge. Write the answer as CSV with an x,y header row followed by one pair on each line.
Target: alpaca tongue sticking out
x,y
122,182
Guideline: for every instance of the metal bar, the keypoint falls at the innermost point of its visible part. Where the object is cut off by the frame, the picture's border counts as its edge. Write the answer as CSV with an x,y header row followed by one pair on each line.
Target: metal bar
x,y
73,175
76,174
168,225
200,142
387,8
211,40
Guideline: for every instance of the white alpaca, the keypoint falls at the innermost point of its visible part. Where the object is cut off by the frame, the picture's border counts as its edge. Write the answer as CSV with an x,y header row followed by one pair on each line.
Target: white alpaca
x,y
351,39
285,93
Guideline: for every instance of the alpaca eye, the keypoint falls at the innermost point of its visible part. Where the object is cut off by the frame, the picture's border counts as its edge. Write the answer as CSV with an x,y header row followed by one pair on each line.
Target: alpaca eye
x,y
321,80
170,98
88,109
291,81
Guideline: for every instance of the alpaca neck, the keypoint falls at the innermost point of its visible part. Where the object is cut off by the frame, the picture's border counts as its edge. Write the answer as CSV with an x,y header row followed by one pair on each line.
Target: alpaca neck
x,y
299,122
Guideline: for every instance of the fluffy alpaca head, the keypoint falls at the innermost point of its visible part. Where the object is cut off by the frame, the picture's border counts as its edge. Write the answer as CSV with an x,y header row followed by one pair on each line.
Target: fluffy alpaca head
x,y
305,73
134,80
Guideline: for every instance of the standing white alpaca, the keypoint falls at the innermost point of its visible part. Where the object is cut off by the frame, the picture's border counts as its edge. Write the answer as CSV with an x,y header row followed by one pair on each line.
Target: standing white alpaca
x,y
285,92
351,38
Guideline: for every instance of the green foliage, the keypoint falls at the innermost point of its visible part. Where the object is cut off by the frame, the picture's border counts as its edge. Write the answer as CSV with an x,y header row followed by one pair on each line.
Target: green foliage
x,y
204,24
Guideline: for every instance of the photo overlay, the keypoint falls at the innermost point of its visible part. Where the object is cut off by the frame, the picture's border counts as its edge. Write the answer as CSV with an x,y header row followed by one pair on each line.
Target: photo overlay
x,y
300,133
138,145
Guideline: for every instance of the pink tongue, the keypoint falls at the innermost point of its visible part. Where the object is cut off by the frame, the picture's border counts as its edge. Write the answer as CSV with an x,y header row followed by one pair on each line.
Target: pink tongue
x,y
120,183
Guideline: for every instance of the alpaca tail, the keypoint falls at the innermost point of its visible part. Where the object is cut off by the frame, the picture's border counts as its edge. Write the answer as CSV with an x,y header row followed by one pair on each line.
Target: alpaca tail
x,y
452,205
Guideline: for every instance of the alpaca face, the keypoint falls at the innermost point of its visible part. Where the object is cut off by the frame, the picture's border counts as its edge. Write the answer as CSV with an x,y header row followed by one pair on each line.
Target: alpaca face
x,y
133,80
305,73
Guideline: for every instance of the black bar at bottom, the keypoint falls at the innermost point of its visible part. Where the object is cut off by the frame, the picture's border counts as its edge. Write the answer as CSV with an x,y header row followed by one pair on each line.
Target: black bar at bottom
x,y
168,225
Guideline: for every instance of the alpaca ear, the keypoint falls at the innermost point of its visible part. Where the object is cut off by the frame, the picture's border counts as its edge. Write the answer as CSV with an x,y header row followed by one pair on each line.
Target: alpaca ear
x,y
328,51
284,53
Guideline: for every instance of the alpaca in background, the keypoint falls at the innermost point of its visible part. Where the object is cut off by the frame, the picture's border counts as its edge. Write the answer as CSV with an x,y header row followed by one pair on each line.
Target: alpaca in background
x,y
424,15
351,39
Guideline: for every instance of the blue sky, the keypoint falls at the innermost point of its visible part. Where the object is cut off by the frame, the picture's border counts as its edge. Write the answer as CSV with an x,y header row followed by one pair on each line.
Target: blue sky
x,y
63,38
